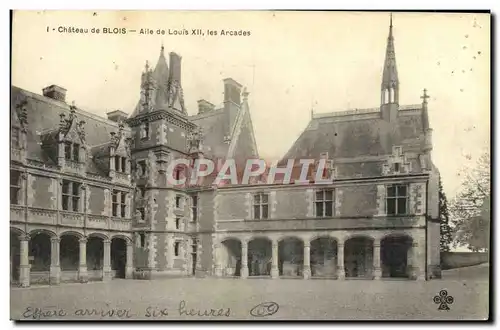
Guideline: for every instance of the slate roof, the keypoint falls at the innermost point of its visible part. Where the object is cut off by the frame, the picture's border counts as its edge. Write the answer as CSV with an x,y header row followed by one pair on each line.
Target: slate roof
x,y
350,137
212,122
43,117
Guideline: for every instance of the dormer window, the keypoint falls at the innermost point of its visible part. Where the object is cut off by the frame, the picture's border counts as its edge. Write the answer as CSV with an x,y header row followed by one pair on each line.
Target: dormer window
x,y
71,151
121,164
124,164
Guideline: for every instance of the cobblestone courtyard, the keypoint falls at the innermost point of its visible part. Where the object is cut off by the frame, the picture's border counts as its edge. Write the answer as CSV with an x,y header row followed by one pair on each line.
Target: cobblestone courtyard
x,y
297,299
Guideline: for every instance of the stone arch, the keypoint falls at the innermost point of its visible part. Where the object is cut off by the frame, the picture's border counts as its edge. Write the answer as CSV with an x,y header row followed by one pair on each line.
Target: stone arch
x,y
359,235
38,231
397,234
71,233
259,237
95,255
358,255
127,239
259,255
291,256
395,254
323,256
69,252
40,249
283,237
230,256
229,238
17,231
119,255
324,235
100,235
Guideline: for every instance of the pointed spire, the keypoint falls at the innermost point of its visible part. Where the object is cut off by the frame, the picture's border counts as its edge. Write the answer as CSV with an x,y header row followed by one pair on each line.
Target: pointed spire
x,y
162,50
390,76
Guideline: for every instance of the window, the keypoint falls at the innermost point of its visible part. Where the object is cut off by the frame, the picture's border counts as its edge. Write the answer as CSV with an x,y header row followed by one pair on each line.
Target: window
x,y
178,200
177,223
123,205
14,135
324,203
194,208
124,164
397,199
114,203
260,206
142,238
118,203
71,151
177,246
121,163
117,163
67,150
76,152
71,196
15,186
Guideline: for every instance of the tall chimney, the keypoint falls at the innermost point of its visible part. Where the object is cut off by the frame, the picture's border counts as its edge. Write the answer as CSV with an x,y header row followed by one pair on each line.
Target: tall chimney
x,y
117,116
232,103
204,106
55,92
175,67
232,91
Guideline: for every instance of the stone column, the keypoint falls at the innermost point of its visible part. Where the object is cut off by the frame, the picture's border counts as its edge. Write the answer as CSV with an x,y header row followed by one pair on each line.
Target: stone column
x,y
112,165
218,267
119,165
307,260
129,266
414,262
82,266
127,166
55,269
340,261
274,267
377,272
24,264
244,259
106,267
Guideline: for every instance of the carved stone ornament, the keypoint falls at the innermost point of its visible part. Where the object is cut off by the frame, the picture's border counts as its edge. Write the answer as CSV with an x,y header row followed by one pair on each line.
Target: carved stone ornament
x,y
195,140
65,125
22,113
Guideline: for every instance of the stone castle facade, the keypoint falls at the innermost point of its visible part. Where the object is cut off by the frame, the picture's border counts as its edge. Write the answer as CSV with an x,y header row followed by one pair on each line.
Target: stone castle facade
x,y
90,199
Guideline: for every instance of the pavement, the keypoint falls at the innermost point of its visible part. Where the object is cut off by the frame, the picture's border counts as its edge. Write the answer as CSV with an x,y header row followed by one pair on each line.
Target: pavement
x,y
258,299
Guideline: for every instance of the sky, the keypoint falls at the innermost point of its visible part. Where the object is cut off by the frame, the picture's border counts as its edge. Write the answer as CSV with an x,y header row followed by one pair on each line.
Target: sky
x,y
292,63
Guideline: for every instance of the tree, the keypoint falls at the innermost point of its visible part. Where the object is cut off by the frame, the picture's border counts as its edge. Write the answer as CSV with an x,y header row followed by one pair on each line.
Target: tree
x,y
446,231
470,208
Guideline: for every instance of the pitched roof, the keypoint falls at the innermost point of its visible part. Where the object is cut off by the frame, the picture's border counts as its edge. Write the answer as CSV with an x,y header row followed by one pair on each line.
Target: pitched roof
x,y
43,116
212,122
358,134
